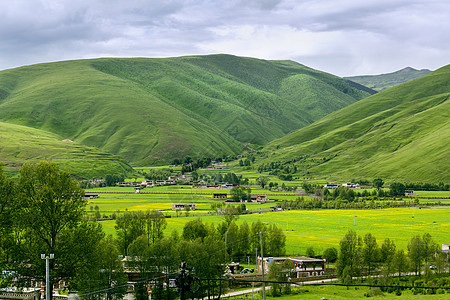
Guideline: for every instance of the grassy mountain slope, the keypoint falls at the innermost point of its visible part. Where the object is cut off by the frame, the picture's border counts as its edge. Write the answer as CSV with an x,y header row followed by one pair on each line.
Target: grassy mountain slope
x,y
384,81
401,133
19,144
151,110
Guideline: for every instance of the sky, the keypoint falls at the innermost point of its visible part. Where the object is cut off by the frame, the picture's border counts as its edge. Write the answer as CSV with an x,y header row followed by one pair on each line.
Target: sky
x,y
342,37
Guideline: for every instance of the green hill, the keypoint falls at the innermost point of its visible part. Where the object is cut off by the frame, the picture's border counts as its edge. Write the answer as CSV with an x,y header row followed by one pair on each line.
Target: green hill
x,y
401,133
384,81
19,144
152,110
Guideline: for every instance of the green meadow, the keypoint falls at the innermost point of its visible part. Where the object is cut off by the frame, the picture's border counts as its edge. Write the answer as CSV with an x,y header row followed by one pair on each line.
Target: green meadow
x,y
20,144
315,292
162,197
325,228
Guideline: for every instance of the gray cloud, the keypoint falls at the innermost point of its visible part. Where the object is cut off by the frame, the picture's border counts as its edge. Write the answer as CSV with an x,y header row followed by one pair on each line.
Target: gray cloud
x,y
344,37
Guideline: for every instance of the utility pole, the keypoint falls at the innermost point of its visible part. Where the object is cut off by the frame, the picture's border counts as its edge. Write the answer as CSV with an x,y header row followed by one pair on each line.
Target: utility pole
x,y
226,250
262,265
48,295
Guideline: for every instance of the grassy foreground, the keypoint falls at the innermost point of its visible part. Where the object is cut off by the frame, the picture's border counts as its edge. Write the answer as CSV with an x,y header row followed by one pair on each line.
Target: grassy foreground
x,y
339,292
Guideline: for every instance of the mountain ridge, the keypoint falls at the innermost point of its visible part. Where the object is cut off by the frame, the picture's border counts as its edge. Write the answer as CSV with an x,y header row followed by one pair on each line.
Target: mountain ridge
x,y
401,133
383,81
153,110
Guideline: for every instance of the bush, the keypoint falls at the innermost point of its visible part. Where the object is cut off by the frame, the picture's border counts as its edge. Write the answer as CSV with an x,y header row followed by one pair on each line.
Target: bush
x,y
374,292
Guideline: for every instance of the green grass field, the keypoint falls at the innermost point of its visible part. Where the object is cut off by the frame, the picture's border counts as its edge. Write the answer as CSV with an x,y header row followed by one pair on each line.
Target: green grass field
x,y
20,144
315,292
325,228
165,196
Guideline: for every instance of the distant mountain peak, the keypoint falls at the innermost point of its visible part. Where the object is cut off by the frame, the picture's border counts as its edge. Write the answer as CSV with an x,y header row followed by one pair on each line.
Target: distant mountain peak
x,y
407,69
384,81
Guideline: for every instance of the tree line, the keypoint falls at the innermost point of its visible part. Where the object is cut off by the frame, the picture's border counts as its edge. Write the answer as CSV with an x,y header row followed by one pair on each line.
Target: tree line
x,y
43,212
364,256
366,203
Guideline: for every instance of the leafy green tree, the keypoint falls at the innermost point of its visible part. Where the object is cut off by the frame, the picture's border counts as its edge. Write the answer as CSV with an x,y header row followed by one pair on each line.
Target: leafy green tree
x,y
155,223
244,239
262,181
378,183
51,201
397,189
275,270
429,247
256,228
310,252
232,235
349,256
276,241
194,229
308,187
370,251
399,262
415,253
129,226
9,221
330,254
230,214
96,264
240,193
387,251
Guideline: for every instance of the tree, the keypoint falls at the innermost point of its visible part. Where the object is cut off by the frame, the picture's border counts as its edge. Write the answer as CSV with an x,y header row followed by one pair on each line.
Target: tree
x,y
330,254
232,235
8,220
129,226
415,252
194,229
240,193
91,261
155,223
370,251
276,241
399,262
230,214
349,258
256,228
310,252
429,247
244,239
397,189
378,183
275,270
51,201
187,209
387,251
262,181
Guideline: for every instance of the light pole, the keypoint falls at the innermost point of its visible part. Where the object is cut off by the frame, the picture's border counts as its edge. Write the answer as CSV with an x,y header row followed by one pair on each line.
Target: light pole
x,y
262,266
47,274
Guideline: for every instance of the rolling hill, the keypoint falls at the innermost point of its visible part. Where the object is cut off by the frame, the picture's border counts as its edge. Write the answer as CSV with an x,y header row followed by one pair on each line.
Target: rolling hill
x,y
385,81
153,110
19,144
402,133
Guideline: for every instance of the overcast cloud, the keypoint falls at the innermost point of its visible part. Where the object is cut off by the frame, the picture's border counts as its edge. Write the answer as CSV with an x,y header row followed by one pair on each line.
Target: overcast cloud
x,y
343,37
